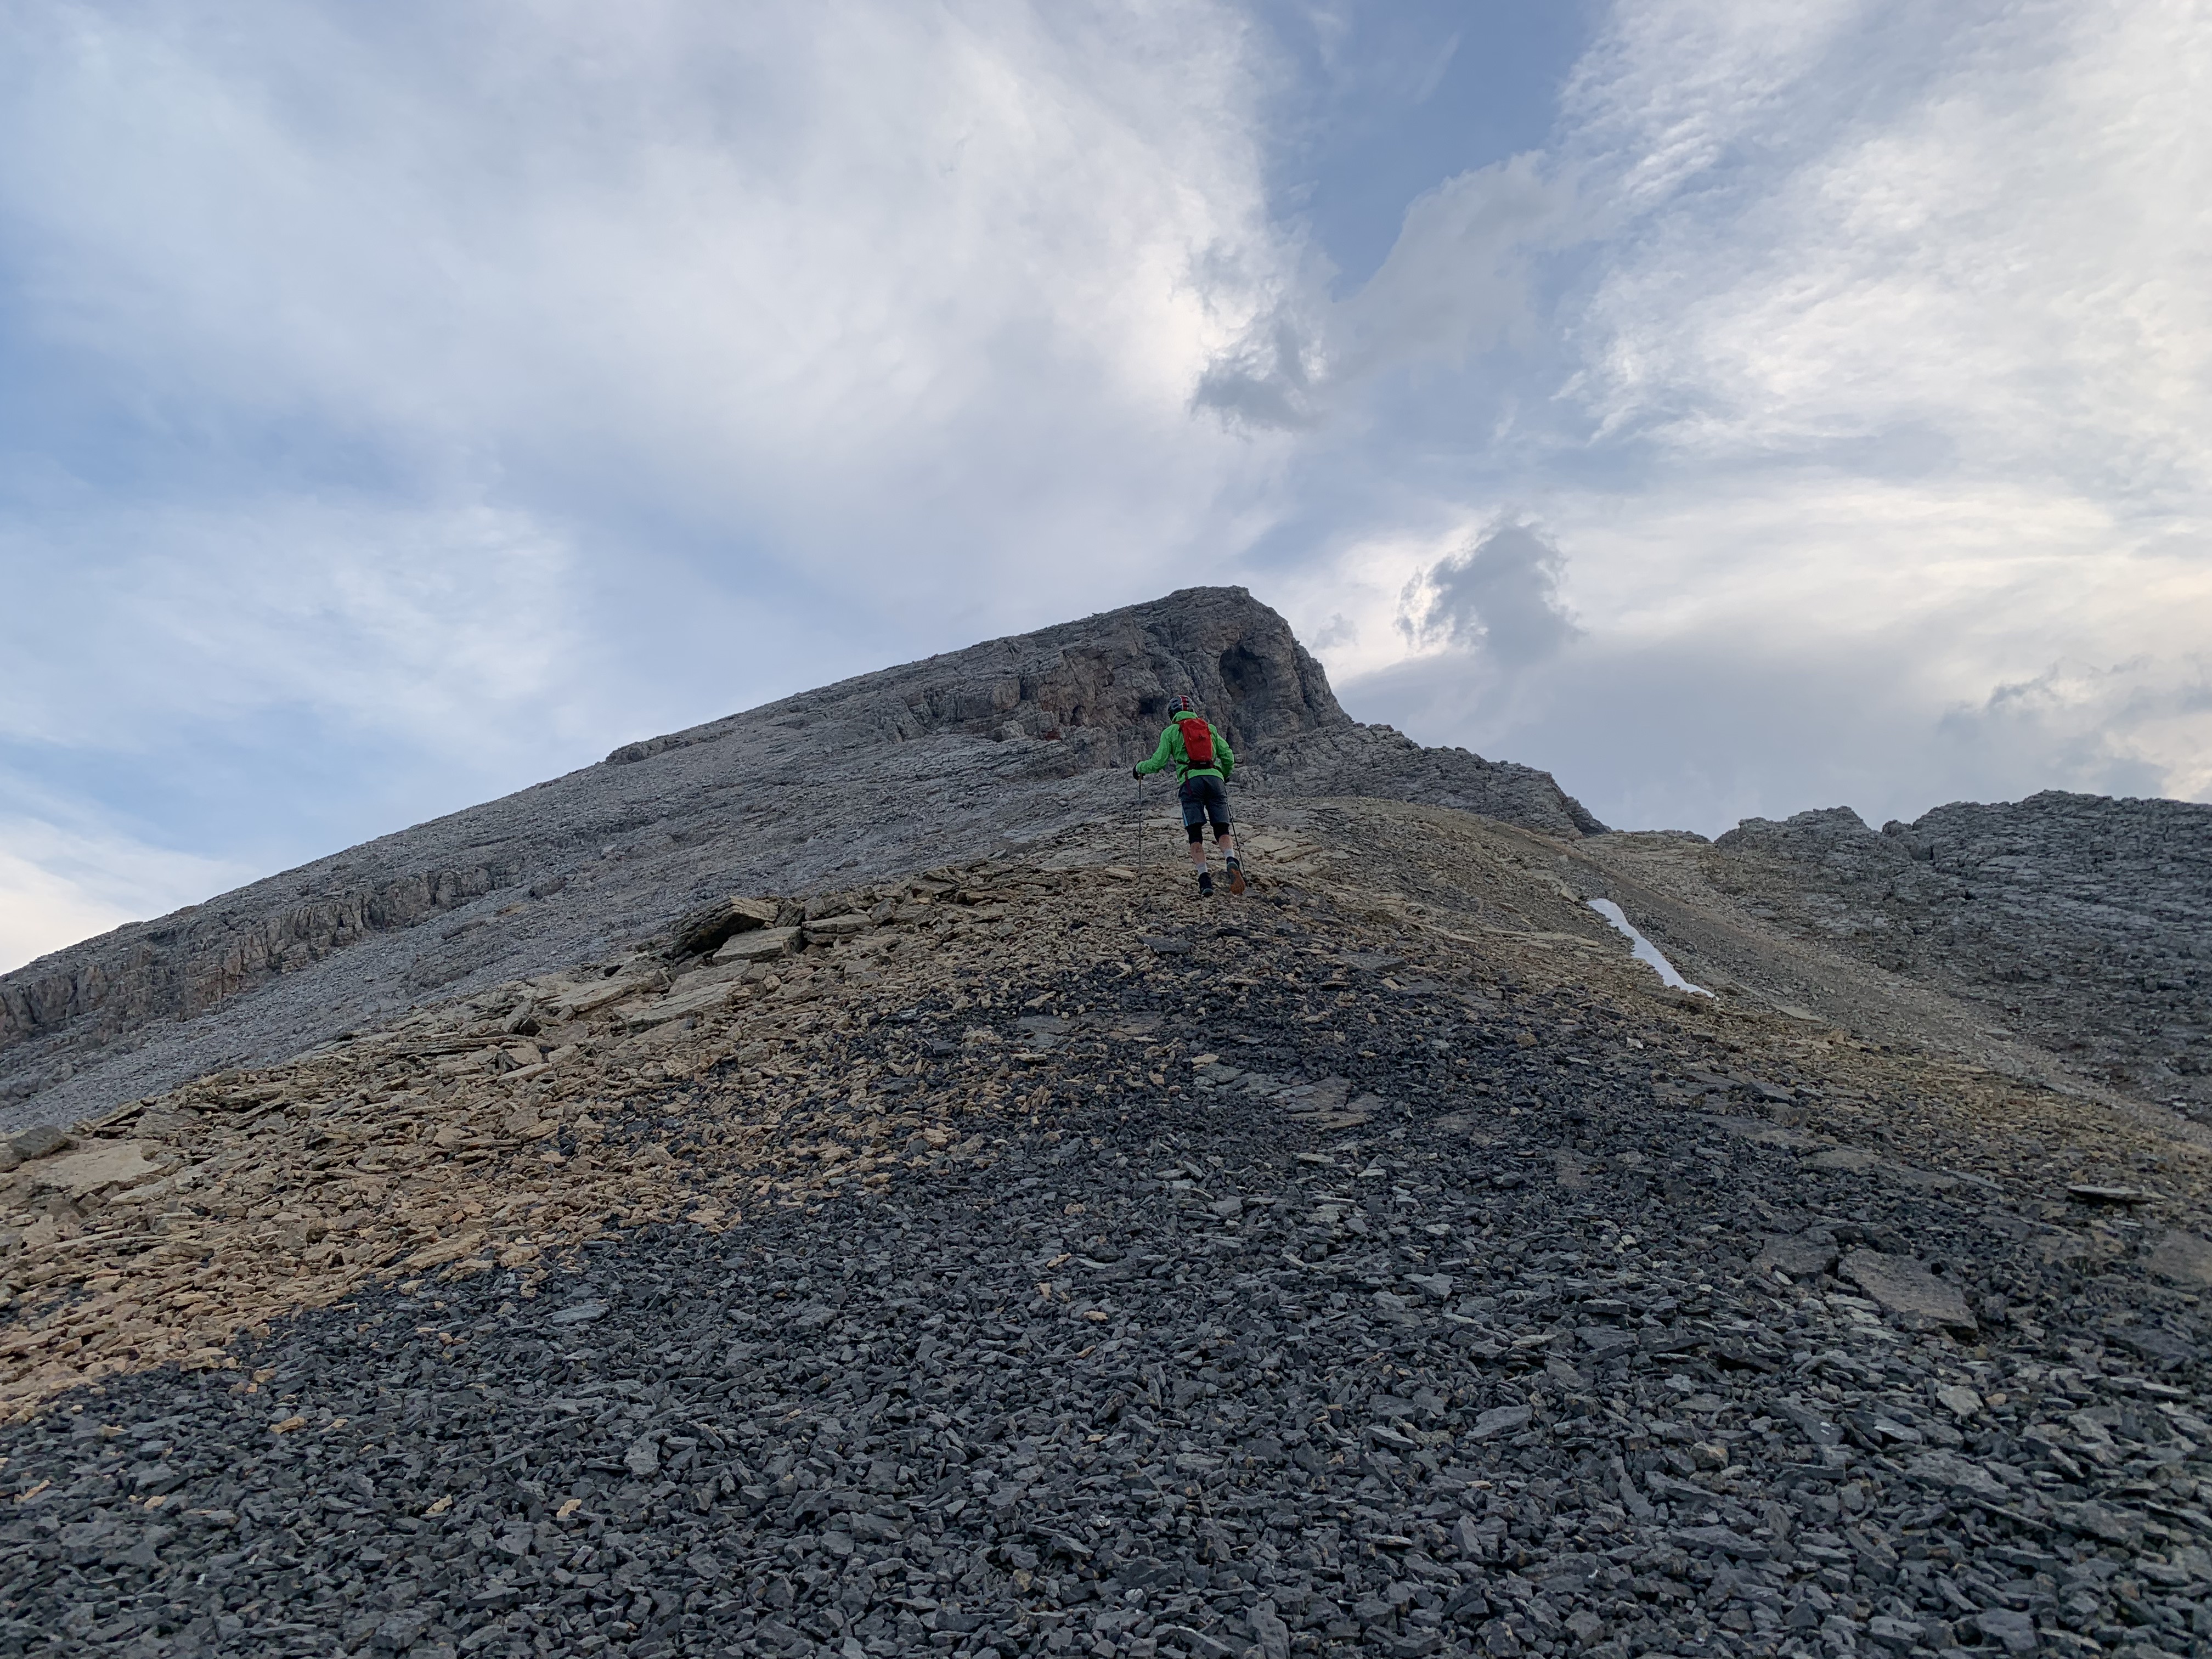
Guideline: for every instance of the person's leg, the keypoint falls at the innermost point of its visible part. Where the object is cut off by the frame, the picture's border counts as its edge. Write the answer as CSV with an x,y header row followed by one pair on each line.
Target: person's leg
x,y
1193,824
1223,837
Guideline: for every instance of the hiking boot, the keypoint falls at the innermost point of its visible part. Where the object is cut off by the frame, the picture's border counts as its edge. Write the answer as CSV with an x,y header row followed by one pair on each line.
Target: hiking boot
x,y
1235,876
1206,883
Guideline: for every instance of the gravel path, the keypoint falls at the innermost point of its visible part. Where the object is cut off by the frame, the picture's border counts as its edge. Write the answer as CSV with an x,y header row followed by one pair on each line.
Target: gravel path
x,y
1390,1327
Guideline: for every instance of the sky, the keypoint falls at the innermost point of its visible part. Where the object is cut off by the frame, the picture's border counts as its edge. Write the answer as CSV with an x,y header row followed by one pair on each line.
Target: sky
x,y
1733,408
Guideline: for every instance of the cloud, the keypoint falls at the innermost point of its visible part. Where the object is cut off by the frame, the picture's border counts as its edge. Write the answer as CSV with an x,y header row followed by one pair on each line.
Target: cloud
x,y
1873,449
66,880
1918,646
1455,283
1986,267
836,275
1499,597
1700,729
1672,91
378,616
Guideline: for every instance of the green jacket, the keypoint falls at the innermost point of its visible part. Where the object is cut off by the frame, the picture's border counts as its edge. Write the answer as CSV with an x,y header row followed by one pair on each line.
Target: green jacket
x,y
1172,753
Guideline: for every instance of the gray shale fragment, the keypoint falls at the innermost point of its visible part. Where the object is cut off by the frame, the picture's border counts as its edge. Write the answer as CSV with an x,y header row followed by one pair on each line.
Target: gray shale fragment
x,y
2182,1257
1908,1288
40,1140
1802,1256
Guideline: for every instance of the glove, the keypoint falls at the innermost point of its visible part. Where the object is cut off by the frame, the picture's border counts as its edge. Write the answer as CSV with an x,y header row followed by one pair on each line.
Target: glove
x,y
1136,773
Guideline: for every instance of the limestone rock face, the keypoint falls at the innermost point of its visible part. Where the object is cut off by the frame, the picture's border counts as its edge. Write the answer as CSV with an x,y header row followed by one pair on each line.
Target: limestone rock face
x,y
2081,920
953,758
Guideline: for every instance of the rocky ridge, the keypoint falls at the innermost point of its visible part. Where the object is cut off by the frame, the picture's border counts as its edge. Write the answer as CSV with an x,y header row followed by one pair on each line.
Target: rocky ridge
x,y
1004,745
2082,924
1020,1257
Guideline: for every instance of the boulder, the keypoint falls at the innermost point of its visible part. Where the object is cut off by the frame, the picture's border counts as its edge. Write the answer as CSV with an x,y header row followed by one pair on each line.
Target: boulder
x,y
40,1140
686,999
705,928
1802,1256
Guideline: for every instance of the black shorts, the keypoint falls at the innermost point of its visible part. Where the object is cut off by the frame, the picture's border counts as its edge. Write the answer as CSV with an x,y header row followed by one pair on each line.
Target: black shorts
x,y
1203,797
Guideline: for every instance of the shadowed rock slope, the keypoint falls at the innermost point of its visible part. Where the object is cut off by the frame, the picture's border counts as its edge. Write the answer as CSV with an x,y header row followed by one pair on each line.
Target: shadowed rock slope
x,y
2081,923
1001,744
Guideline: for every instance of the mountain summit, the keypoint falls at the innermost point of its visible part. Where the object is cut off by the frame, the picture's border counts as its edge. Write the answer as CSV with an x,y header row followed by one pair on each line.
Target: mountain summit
x,y
1004,744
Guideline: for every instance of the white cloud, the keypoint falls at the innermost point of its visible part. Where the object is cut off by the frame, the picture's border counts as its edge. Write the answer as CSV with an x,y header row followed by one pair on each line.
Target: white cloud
x,y
1455,284
1896,363
370,615
1674,89
1999,277
1798,640
829,274
59,884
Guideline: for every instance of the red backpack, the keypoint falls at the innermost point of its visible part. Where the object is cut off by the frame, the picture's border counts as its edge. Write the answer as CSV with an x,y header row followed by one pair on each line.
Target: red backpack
x,y
1197,740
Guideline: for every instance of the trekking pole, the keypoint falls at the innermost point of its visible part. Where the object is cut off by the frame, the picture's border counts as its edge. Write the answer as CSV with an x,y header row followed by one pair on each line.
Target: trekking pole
x,y
1140,820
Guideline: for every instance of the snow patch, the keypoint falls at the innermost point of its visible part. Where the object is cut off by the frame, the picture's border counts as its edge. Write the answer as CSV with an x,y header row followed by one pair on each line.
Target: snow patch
x,y
1642,949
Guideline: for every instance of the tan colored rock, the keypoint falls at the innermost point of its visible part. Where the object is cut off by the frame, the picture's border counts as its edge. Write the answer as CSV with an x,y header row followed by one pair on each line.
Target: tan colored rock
x,y
101,1163
605,994
445,1250
680,1003
705,928
480,1059
765,946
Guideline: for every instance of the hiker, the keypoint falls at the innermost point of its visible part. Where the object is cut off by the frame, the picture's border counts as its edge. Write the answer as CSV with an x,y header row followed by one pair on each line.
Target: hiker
x,y
1203,762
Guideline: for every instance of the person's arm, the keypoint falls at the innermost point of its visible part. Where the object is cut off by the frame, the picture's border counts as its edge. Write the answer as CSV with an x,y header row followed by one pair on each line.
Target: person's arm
x,y
1162,756
1222,751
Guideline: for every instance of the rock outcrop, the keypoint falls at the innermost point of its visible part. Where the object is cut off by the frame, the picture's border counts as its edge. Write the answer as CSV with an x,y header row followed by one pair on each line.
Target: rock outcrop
x,y
2086,922
956,756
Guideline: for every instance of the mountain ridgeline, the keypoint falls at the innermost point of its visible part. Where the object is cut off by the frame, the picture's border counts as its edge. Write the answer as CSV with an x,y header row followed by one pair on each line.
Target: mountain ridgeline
x,y
1004,744
2075,923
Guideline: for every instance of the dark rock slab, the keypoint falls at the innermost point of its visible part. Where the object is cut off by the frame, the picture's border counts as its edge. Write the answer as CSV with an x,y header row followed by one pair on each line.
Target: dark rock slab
x,y
1906,1287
